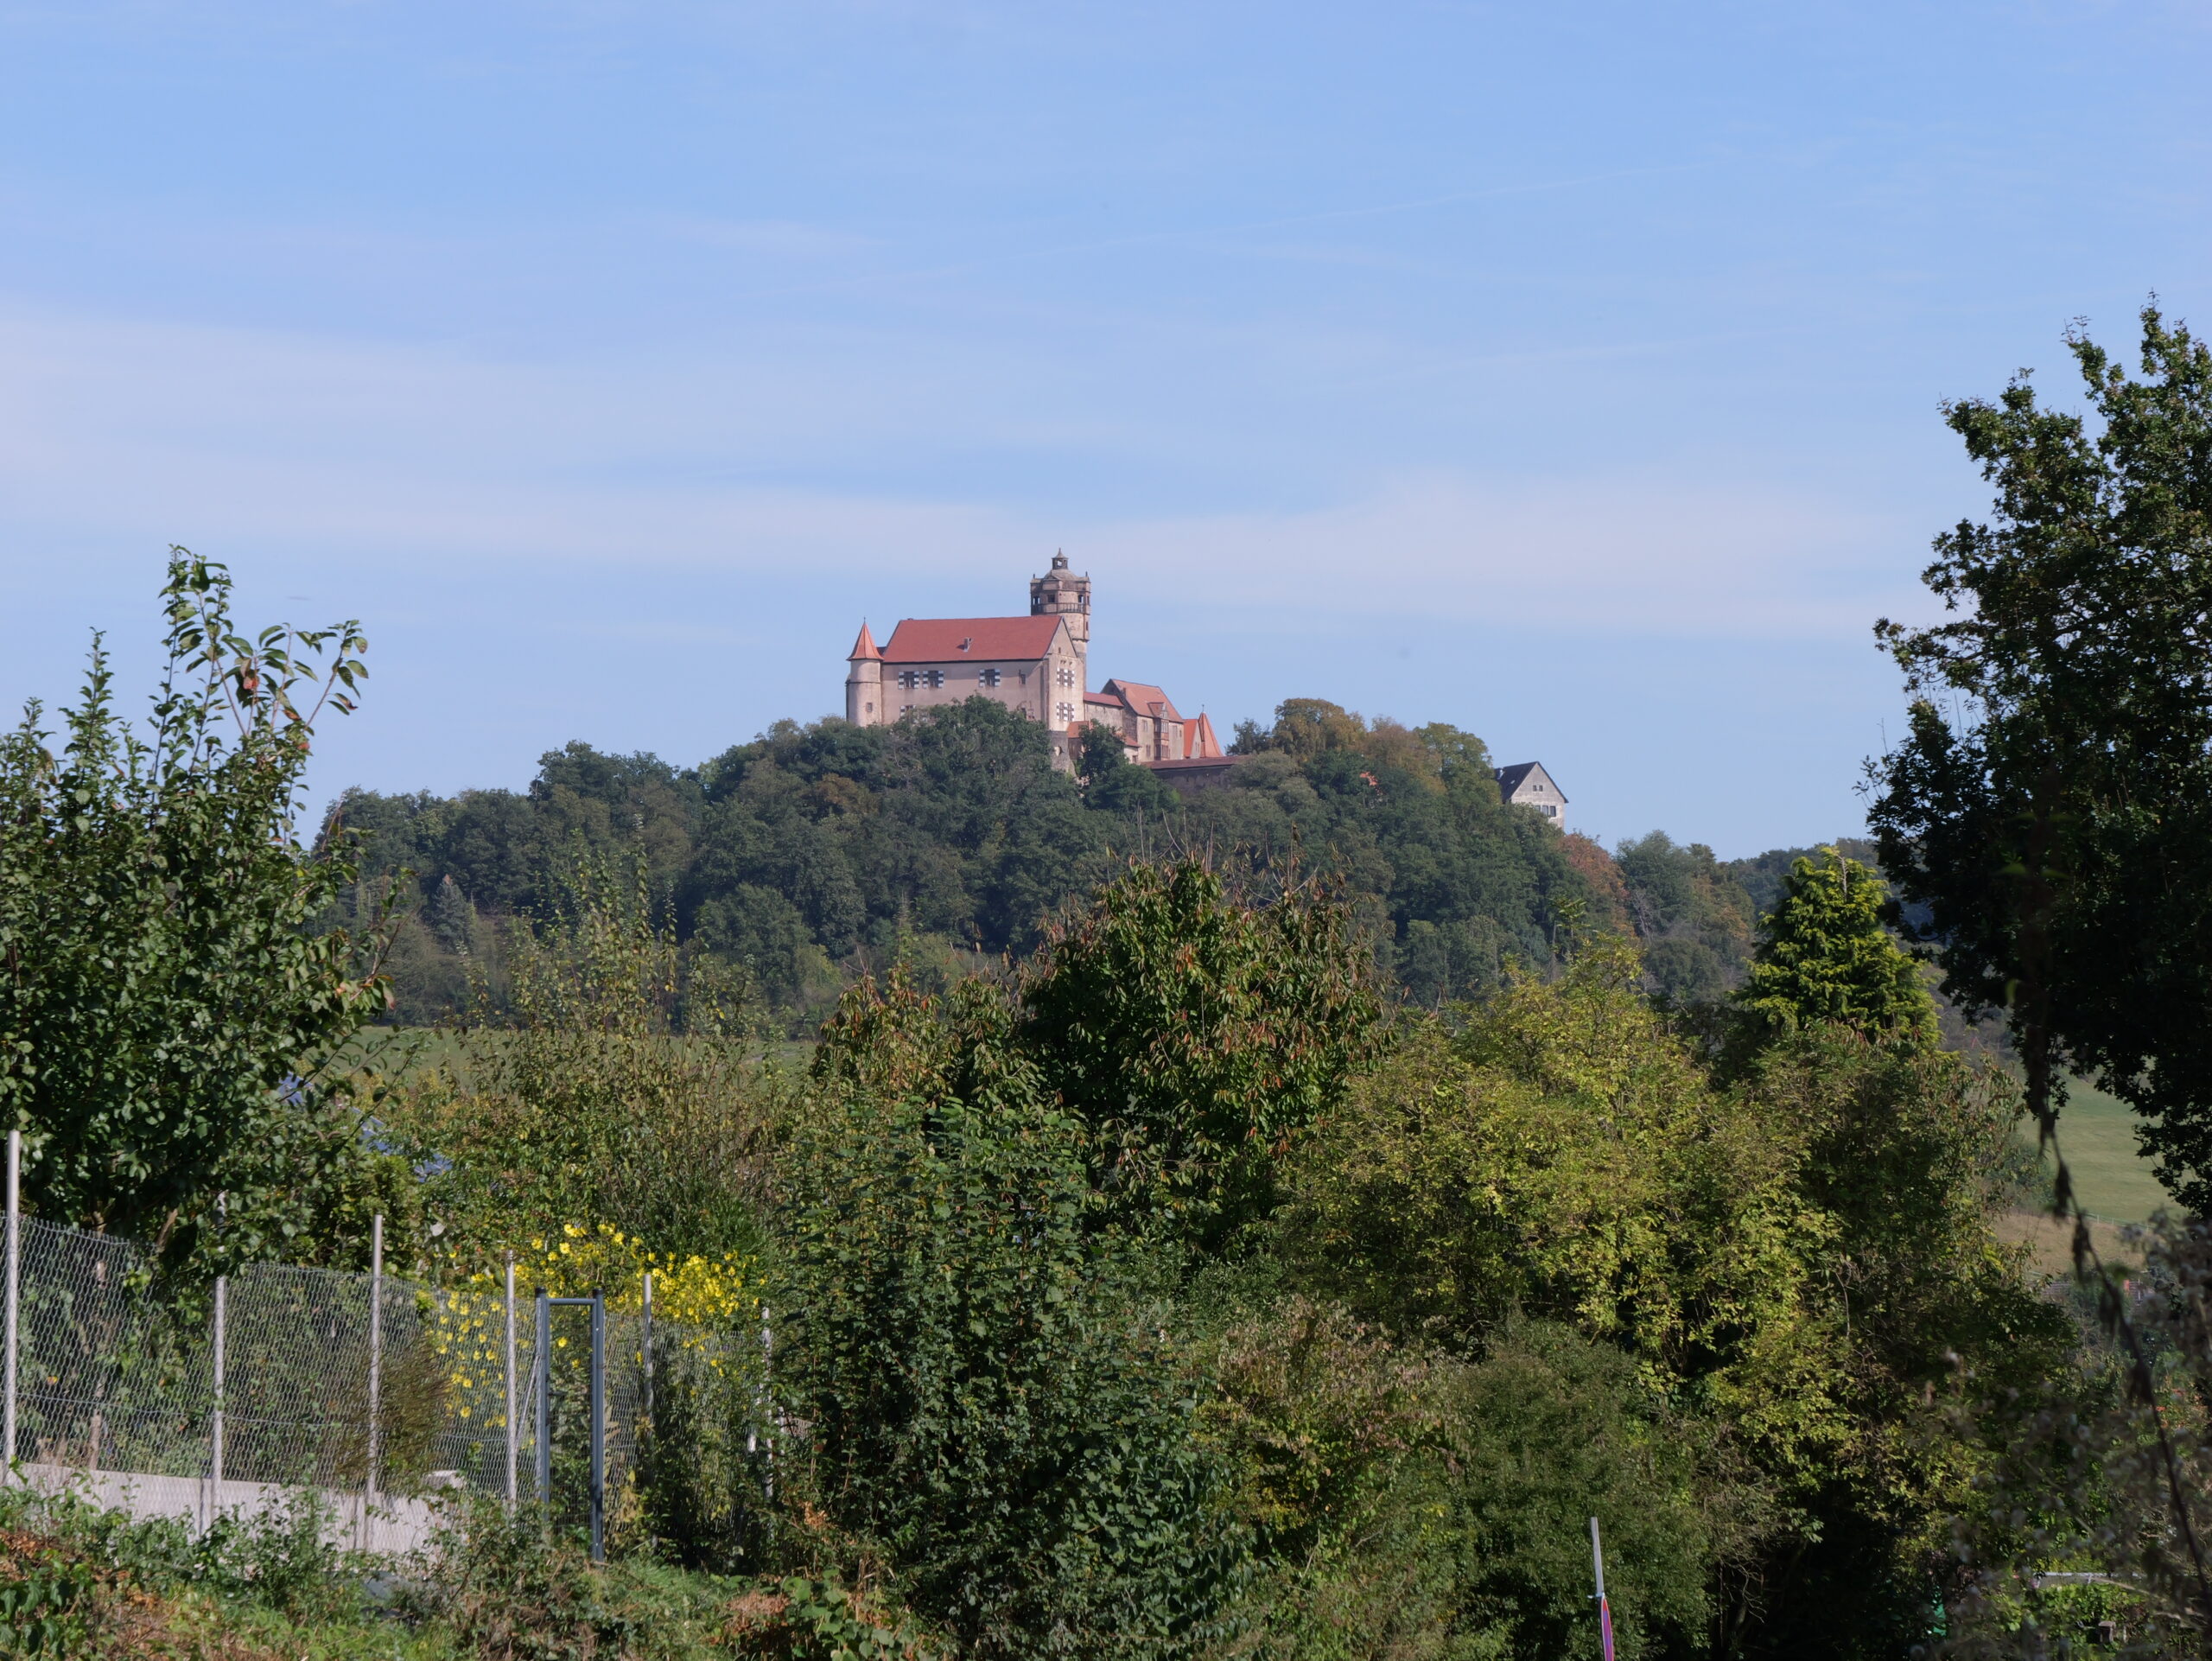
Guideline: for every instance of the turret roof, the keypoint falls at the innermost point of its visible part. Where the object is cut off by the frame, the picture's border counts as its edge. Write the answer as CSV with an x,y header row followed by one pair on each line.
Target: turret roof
x,y
863,648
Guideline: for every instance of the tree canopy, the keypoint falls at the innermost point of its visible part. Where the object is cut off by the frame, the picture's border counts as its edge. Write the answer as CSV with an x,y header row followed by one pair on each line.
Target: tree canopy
x,y
2051,807
1825,955
162,998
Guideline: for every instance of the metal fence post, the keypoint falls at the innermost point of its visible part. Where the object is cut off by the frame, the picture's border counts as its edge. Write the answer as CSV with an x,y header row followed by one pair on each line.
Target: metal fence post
x,y
645,1348
376,1369
598,1430
544,1370
514,1430
215,1420
15,1302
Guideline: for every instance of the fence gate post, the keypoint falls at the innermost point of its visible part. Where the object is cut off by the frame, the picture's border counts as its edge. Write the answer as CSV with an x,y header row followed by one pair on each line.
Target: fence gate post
x,y
15,1272
598,1428
215,1419
542,1371
645,1348
514,1430
376,1372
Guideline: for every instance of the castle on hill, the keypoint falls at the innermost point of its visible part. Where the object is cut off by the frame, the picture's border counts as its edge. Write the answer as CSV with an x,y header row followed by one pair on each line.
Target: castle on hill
x,y
1039,665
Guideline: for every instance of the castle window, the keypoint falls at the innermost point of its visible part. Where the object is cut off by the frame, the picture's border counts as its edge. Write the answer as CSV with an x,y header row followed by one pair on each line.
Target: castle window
x,y
934,677
909,679
1067,674
1065,711
988,677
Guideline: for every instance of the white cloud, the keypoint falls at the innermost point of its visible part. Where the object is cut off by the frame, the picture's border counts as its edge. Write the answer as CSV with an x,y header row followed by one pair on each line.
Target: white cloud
x,y
148,432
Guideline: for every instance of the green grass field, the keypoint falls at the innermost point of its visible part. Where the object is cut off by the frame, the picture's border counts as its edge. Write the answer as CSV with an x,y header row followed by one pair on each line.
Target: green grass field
x,y
2097,1134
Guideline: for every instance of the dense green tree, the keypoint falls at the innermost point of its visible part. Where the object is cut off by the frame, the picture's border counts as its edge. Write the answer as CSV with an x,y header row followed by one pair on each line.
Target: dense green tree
x,y
1099,751
1562,1156
1905,1155
2051,803
1411,1502
1761,876
1825,956
161,997
1693,919
1196,1035
990,1412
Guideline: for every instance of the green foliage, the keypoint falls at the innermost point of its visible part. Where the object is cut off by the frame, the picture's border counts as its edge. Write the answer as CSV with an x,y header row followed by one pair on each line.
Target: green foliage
x,y
41,1607
1800,1263
1551,1430
502,1588
2052,804
1825,956
1564,1157
1413,1502
1100,752
815,854
2097,1510
159,988
1692,916
1195,1036
989,1408
1905,1155
619,1090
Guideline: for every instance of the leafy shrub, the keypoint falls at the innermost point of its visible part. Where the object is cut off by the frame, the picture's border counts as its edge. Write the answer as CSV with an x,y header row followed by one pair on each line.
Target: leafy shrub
x,y
42,1598
988,1410
506,1592
1195,1035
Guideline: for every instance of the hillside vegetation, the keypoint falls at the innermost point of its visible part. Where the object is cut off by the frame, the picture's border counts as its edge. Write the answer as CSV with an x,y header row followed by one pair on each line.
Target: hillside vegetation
x,y
813,853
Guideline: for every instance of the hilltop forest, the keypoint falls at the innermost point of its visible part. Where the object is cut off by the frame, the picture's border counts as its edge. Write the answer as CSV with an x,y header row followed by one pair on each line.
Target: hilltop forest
x,y
814,854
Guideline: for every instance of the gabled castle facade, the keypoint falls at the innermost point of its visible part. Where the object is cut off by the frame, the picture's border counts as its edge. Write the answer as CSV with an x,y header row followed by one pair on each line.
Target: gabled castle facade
x,y
1040,665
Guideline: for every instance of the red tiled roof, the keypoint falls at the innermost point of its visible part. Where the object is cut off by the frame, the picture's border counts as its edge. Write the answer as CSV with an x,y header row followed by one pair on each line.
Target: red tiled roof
x,y
1198,741
863,648
970,640
1145,700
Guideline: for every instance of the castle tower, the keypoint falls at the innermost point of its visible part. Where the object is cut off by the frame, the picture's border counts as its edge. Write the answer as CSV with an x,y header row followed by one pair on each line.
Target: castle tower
x,y
864,683
1061,592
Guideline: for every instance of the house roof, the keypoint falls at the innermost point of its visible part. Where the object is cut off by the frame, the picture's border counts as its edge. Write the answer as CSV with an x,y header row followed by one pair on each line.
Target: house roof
x,y
1510,780
863,648
1195,764
972,639
1145,700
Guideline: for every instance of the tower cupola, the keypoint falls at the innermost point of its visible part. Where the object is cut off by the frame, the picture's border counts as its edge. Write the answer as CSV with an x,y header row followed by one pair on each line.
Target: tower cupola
x,y
1061,592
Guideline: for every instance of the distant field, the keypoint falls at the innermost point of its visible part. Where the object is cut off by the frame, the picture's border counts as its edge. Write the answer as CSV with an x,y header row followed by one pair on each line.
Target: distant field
x,y
2097,1134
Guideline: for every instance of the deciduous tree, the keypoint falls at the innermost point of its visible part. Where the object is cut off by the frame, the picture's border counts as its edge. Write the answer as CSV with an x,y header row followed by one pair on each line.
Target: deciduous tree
x,y
162,996
2051,807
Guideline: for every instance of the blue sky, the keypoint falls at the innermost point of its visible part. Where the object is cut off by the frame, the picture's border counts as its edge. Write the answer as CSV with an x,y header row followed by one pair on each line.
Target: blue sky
x,y
1568,372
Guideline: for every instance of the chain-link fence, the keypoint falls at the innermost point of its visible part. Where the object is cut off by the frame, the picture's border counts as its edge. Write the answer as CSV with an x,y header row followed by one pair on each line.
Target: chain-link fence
x,y
379,1392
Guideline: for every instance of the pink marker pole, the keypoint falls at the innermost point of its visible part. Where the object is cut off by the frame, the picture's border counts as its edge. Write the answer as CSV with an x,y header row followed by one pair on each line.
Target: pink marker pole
x,y
1604,1609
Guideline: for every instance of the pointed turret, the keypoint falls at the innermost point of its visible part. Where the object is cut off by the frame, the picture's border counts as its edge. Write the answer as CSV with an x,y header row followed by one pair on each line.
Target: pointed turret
x,y
864,685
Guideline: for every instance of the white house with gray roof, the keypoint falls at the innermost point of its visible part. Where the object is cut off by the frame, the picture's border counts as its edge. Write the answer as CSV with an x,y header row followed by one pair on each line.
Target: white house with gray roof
x,y
1525,784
